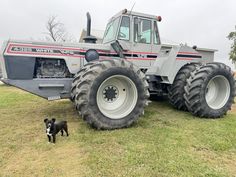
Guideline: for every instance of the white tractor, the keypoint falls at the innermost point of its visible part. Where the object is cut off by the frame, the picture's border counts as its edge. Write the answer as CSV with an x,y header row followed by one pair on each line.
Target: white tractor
x,y
110,83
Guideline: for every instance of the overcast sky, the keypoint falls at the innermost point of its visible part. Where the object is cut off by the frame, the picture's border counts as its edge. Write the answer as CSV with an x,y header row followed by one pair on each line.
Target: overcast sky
x,y
204,23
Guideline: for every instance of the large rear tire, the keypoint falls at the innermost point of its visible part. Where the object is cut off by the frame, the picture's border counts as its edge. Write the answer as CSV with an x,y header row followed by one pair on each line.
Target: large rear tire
x,y
111,94
176,91
210,90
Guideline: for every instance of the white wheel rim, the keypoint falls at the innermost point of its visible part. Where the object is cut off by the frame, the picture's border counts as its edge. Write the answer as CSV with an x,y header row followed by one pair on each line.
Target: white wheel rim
x,y
117,97
217,92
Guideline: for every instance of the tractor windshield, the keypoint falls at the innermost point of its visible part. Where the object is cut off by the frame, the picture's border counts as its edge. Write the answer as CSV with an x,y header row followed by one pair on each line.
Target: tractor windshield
x,y
111,30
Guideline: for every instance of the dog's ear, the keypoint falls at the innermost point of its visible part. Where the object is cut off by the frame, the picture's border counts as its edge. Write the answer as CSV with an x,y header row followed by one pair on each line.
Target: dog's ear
x,y
53,120
45,120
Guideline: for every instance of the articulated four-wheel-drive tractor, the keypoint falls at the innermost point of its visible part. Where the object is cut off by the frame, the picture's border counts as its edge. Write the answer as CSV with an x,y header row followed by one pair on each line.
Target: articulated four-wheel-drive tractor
x,y
110,83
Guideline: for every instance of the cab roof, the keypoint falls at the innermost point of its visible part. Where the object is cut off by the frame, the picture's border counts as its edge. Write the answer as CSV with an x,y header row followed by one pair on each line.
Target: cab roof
x,y
127,12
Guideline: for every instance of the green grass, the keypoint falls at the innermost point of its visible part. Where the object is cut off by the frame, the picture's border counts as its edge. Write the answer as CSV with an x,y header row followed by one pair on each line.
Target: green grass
x,y
164,142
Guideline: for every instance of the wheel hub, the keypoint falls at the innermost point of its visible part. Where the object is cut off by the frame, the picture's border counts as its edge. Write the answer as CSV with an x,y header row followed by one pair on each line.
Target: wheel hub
x,y
117,96
217,92
110,93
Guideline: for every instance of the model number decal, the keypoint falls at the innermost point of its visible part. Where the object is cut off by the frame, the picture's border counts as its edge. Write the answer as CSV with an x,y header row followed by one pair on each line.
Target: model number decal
x,y
44,50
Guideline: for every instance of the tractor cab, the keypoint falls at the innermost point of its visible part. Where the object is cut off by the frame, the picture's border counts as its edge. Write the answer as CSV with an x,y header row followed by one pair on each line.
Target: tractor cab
x,y
135,32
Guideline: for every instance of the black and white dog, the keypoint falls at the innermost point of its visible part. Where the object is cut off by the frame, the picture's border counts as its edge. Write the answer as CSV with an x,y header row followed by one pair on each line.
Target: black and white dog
x,y
53,127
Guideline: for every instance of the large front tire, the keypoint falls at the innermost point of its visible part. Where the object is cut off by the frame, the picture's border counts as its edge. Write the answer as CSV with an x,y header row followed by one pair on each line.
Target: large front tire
x,y
111,94
210,91
76,79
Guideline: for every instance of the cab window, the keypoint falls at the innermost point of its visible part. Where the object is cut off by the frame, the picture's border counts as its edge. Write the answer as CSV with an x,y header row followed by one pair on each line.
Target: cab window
x,y
124,29
111,30
142,31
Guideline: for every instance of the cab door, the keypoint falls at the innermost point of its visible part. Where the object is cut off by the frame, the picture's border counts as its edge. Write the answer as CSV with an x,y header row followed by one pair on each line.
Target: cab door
x,y
156,46
124,36
142,41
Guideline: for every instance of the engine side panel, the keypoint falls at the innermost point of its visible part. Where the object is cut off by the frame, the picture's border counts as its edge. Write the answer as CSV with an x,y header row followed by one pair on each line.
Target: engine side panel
x,y
19,67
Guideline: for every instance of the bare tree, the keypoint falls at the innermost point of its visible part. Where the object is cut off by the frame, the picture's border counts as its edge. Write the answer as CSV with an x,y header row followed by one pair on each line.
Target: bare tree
x,y
56,31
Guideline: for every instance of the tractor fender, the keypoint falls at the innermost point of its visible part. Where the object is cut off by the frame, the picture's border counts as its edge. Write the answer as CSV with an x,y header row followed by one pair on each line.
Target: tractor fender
x,y
170,61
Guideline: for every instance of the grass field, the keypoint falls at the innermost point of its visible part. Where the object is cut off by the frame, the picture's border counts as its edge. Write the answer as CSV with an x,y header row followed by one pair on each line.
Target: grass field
x,y
164,142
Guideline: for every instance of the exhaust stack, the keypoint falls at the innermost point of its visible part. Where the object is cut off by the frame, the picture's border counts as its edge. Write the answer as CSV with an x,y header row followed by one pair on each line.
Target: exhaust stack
x,y
89,38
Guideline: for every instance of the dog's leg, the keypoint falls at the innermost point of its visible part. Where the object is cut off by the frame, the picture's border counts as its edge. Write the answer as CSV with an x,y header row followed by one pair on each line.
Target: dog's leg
x,y
66,130
49,138
61,132
54,139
